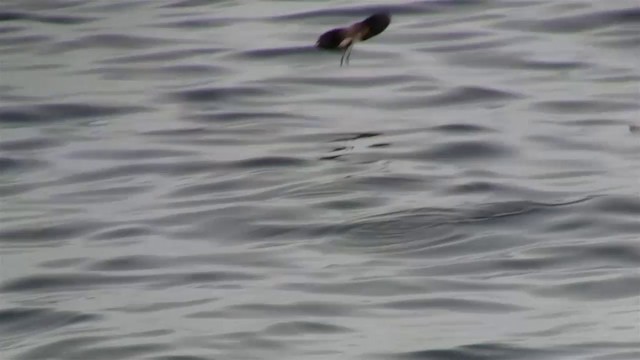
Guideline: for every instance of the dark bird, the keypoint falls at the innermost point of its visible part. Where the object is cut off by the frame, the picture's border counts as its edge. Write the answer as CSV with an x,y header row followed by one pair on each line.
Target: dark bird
x,y
345,38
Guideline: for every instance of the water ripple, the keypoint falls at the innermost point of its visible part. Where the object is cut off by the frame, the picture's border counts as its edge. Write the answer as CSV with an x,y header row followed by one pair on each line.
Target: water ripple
x,y
107,41
479,352
7,16
60,112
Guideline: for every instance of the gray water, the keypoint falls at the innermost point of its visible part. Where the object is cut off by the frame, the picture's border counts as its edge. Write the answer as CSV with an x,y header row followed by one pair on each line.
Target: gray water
x,y
192,180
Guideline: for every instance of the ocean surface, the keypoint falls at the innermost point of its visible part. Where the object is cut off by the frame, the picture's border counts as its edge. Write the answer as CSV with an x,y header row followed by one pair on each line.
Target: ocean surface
x,y
193,180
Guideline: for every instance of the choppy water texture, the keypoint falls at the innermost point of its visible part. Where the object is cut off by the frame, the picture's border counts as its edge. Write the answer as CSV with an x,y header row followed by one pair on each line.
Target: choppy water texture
x,y
192,180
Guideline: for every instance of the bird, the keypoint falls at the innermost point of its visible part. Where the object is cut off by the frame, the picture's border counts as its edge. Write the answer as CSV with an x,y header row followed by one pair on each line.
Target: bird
x,y
345,38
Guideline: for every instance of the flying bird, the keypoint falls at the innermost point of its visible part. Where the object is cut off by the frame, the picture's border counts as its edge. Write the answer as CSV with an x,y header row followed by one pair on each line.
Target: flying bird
x,y
346,37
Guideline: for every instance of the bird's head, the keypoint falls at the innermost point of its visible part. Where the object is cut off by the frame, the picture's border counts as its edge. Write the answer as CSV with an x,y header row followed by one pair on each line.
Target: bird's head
x,y
331,39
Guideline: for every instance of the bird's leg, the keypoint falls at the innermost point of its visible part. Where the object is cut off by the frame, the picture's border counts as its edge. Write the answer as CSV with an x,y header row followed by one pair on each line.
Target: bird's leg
x,y
346,54
349,53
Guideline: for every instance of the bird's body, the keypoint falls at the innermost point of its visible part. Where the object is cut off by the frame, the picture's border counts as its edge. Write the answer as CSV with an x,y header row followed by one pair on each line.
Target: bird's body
x,y
346,37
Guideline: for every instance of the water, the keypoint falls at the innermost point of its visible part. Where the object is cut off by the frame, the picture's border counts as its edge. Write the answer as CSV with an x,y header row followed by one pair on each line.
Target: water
x,y
186,179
